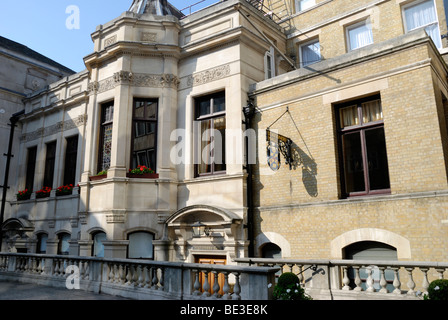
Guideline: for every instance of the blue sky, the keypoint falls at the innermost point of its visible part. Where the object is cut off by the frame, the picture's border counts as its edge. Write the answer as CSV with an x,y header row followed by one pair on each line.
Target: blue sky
x,y
41,25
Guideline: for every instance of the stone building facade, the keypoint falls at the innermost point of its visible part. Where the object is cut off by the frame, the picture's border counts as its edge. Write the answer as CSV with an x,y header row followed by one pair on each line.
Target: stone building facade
x,y
257,119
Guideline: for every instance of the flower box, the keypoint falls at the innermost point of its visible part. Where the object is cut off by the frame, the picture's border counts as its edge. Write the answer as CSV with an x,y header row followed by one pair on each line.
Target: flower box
x,y
43,193
24,195
97,178
142,172
64,191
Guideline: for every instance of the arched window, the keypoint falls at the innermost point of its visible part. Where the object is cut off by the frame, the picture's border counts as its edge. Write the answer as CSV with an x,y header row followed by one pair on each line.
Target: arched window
x,y
140,245
372,251
64,245
42,243
271,251
98,246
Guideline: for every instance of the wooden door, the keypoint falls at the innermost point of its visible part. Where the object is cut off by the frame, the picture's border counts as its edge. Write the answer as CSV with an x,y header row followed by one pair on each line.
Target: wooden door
x,y
218,260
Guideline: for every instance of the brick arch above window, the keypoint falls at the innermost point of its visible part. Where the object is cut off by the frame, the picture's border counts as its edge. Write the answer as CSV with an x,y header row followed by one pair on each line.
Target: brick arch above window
x,y
370,234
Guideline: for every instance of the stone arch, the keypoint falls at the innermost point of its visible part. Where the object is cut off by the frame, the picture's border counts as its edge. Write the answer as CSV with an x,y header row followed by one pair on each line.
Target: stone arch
x,y
273,237
371,234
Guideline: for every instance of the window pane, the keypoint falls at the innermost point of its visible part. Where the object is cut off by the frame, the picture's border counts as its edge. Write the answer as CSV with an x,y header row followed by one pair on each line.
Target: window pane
x,y
140,245
98,247
372,111
349,116
151,111
204,108
305,4
310,53
64,245
139,109
353,162
205,165
219,104
377,159
42,243
31,168
360,36
49,164
420,15
71,155
219,141
106,148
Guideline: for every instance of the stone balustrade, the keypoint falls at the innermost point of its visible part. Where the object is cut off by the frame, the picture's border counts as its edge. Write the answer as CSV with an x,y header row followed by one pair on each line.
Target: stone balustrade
x,y
140,279
356,279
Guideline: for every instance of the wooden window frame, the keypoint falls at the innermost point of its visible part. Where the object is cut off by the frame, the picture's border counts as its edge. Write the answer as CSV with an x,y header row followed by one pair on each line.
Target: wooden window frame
x,y
103,123
361,128
135,119
207,117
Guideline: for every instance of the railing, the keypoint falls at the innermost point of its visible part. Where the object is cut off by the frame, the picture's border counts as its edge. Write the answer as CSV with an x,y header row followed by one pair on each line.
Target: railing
x,y
140,279
353,279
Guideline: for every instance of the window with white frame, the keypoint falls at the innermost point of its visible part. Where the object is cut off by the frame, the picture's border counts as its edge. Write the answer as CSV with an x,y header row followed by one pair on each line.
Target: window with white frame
x,y
422,14
309,52
302,5
269,63
359,35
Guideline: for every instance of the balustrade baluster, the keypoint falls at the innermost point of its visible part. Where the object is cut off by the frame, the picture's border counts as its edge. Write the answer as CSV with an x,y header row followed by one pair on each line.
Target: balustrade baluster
x,y
236,288
425,284
396,283
110,274
117,273
141,277
162,279
383,282
300,275
346,280
358,281
128,275
55,267
216,286
197,284
122,274
411,283
226,287
148,279
155,279
87,273
206,285
440,272
369,280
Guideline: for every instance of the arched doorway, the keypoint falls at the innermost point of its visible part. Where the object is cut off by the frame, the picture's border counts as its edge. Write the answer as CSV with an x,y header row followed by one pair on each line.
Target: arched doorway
x,y
98,246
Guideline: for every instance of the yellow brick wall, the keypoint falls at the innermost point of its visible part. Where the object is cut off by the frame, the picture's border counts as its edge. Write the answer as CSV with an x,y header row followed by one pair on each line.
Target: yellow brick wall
x,y
304,206
328,22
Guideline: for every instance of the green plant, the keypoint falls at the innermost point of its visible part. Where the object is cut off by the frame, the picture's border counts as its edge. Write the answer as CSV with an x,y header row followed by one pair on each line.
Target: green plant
x,y
102,173
288,288
438,290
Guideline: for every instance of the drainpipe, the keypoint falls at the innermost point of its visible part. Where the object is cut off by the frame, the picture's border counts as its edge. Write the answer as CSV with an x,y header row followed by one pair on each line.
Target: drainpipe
x,y
249,112
14,119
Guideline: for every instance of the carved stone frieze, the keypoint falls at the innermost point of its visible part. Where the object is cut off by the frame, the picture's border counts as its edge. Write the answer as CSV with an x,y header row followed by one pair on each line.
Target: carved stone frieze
x,y
135,79
208,75
54,129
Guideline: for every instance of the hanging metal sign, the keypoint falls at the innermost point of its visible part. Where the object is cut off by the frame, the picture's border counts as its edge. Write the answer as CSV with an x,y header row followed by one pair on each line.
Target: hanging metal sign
x,y
276,144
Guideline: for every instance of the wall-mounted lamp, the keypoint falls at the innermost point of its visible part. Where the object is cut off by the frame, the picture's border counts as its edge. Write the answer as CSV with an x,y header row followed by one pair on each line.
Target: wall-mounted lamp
x,y
199,229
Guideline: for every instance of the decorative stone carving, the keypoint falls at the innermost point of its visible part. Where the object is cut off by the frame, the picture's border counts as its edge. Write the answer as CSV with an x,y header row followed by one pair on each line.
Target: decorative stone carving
x,y
56,128
208,75
137,80
110,41
149,37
